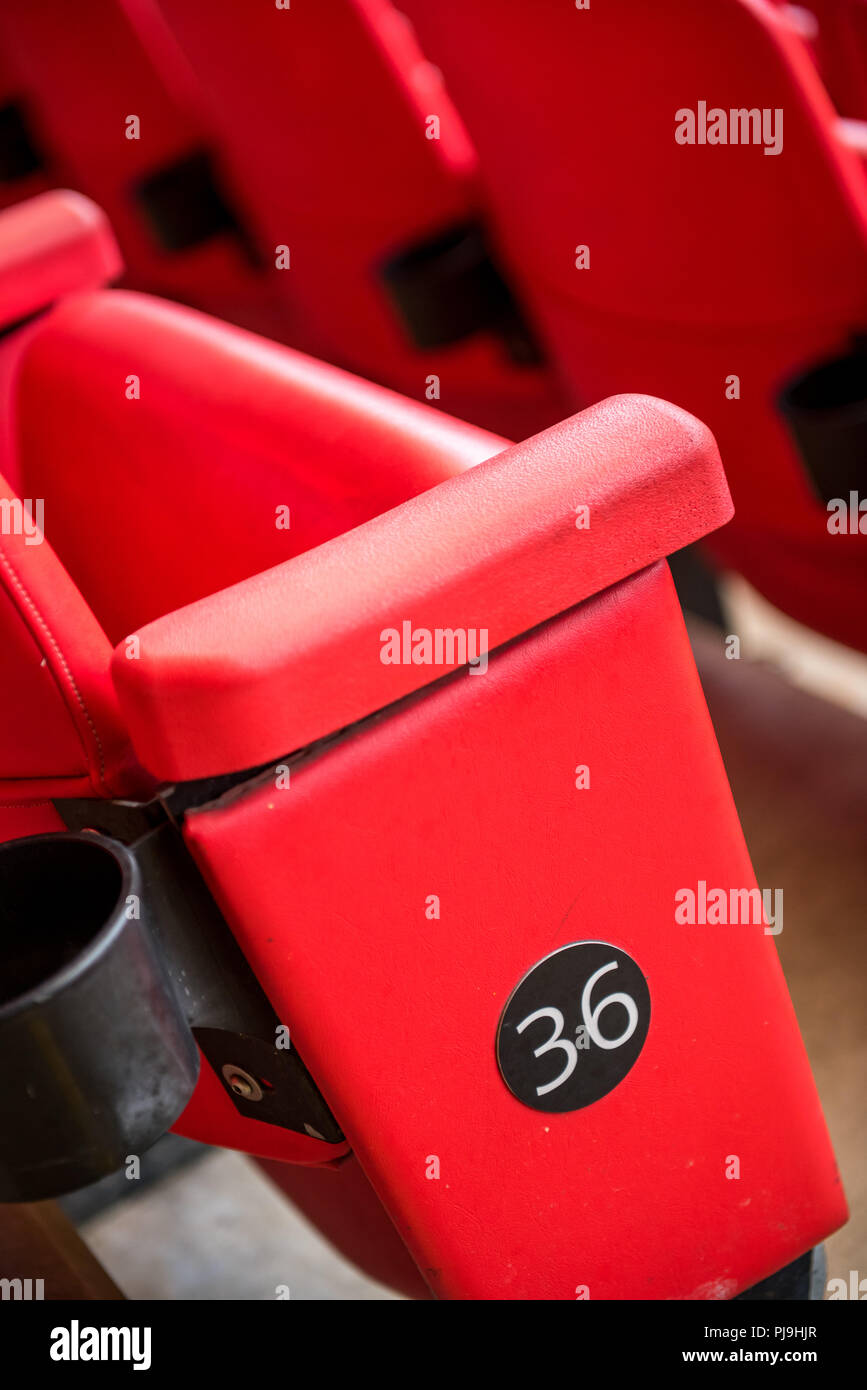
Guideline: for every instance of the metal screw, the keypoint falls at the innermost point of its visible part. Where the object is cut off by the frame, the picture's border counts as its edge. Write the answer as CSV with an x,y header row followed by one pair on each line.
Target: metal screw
x,y
241,1082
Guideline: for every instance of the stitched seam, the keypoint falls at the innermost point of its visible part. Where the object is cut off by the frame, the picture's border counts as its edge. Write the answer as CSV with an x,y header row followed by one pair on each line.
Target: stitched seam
x,y
4,559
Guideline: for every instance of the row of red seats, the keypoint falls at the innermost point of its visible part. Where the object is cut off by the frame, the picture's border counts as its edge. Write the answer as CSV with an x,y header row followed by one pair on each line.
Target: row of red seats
x,y
714,277
719,275
302,130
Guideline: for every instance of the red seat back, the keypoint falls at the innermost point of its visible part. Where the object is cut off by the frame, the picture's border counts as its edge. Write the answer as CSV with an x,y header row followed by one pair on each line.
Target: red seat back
x,y
260,130
706,261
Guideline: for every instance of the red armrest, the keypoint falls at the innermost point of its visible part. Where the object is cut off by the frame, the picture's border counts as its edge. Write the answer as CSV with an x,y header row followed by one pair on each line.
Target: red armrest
x,y
294,653
50,246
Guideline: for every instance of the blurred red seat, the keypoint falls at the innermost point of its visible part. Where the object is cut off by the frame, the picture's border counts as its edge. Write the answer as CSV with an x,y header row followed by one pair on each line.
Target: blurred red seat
x,y
714,275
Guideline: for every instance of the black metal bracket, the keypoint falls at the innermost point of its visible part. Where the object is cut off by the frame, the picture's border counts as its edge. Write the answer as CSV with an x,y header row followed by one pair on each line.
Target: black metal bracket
x,y
236,1027
825,409
19,151
448,287
185,205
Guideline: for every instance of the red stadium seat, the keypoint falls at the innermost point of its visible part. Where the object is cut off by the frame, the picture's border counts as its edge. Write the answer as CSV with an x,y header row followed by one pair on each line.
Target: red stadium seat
x,y
209,635
103,472
242,150
323,122
74,80
715,275
49,246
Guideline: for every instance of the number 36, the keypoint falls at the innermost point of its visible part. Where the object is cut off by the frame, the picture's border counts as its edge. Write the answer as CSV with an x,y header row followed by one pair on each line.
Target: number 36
x,y
591,1023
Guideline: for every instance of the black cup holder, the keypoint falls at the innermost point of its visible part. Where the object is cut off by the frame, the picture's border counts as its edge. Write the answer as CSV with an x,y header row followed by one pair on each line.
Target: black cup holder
x,y
97,1056
826,411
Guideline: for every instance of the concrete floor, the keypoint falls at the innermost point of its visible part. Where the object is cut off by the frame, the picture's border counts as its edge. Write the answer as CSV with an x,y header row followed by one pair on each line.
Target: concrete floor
x,y
795,747
219,1229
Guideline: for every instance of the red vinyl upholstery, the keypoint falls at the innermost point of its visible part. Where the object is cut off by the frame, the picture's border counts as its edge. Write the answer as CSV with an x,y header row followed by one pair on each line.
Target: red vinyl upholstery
x,y
295,651
59,728
227,430
179,492
467,791
706,261
60,733
50,246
